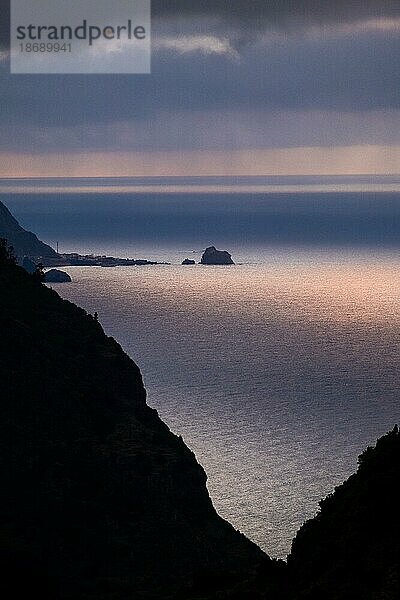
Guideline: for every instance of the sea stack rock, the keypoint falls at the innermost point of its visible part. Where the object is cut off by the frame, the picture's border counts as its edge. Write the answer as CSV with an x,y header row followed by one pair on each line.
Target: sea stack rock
x,y
57,276
188,261
212,256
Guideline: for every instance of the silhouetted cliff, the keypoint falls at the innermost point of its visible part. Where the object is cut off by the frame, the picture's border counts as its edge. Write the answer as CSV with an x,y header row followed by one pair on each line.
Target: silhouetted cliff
x,y
99,499
24,242
351,549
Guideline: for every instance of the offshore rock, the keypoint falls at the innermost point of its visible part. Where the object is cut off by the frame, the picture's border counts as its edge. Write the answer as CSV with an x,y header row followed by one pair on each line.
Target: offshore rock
x,y
56,276
212,256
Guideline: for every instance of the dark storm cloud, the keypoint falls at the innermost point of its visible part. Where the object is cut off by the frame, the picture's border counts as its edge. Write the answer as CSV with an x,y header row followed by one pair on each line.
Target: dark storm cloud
x,y
260,13
278,12
4,23
346,73
247,17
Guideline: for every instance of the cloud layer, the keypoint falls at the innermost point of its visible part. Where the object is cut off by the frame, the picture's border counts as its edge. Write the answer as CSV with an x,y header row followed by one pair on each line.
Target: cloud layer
x,y
278,11
226,75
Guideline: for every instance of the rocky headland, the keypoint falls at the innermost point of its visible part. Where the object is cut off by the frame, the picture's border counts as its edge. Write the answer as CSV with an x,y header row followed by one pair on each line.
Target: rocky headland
x,y
30,251
25,243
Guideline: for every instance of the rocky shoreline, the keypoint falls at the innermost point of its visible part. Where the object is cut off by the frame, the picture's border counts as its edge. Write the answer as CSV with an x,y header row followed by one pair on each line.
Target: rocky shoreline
x,y
91,260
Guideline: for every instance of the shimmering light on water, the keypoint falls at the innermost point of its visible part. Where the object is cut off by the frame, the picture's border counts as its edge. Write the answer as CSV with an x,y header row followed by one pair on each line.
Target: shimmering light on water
x,y
277,372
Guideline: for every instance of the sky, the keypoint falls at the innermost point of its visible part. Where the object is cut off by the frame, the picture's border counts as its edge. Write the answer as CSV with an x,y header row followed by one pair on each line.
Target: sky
x,y
237,88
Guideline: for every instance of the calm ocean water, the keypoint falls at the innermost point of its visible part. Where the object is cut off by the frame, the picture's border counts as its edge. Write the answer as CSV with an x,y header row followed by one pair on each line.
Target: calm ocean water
x,y
278,371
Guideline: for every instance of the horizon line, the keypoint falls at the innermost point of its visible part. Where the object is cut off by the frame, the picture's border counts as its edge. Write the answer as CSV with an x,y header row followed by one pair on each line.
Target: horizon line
x,y
346,175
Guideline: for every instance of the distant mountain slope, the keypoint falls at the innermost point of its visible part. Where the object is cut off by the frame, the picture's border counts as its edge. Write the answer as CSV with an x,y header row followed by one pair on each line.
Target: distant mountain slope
x,y
99,499
351,549
24,242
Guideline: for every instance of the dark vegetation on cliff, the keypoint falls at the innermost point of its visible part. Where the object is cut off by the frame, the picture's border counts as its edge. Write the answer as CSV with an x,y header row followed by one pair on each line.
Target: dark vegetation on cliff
x,y
351,549
101,501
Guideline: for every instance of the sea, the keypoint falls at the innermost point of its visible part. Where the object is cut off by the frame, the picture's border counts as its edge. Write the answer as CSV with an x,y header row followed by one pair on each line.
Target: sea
x,y
277,371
